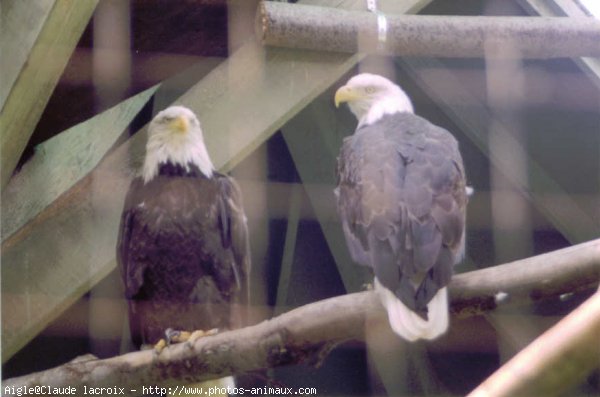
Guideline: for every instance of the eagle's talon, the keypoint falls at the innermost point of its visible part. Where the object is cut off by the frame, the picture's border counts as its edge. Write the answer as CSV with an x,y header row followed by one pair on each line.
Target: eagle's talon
x,y
159,347
195,335
211,332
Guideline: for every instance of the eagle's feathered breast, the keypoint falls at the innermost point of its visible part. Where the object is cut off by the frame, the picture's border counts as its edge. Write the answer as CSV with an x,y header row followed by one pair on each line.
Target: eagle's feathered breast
x,y
183,252
401,198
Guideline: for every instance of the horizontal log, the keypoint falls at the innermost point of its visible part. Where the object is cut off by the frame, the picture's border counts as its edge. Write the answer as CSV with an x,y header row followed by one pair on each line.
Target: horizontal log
x,y
329,29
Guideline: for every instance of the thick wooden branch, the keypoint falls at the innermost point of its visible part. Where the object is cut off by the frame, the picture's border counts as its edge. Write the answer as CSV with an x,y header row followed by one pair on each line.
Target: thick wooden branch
x,y
328,29
562,357
308,333
533,279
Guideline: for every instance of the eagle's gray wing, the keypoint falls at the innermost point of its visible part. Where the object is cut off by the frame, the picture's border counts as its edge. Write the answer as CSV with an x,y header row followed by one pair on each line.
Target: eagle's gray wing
x,y
401,198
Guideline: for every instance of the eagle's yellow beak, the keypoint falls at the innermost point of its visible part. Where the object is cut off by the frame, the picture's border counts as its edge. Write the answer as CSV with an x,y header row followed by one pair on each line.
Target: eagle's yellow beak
x,y
180,124
345,94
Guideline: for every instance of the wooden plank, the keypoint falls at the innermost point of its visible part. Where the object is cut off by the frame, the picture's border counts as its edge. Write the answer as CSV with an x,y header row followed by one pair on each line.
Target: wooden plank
x,y
69,246
574,223
15,20
63,160
39,73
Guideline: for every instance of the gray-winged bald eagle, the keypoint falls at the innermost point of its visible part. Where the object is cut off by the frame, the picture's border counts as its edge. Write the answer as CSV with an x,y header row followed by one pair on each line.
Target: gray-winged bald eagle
x,y
183,243
401,199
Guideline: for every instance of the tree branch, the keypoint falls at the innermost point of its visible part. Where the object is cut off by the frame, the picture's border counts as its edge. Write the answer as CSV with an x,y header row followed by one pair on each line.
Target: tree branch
x,y
307,334
329,29
568,270
562,357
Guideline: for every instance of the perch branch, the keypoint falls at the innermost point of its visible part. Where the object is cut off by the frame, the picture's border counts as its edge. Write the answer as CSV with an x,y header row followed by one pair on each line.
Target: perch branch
x,y
532,279
328,29
562,357
308,333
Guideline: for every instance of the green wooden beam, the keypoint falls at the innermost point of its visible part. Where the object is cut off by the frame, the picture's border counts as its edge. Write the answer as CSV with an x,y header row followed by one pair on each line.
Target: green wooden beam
x,y
49,33
63,160
16,19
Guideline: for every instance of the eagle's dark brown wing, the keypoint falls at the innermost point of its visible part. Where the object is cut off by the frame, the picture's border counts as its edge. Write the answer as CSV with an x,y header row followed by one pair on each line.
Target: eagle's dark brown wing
x,y
184,256
235,237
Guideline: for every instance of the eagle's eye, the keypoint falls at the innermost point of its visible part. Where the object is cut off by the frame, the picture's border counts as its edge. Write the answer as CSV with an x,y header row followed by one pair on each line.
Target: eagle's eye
x,y
167,119
369,90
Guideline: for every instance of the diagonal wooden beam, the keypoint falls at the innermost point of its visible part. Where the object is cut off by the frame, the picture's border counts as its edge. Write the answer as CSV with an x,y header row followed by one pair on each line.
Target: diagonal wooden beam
x,y
40,63
63,160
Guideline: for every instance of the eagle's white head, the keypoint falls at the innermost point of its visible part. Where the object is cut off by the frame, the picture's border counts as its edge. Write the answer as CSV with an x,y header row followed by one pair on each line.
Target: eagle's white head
x,y
371,96
175,136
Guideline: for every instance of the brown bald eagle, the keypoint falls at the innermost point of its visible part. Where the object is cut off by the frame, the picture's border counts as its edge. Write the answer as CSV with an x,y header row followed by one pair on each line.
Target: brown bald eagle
x,y
183,243
401,199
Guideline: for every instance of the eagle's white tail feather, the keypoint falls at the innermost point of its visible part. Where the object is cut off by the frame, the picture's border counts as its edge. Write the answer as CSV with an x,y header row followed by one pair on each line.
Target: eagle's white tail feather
x,y
407,323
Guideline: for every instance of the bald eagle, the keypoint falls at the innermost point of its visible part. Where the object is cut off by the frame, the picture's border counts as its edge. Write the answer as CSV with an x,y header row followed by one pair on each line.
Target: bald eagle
x,y
401,199
183,244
